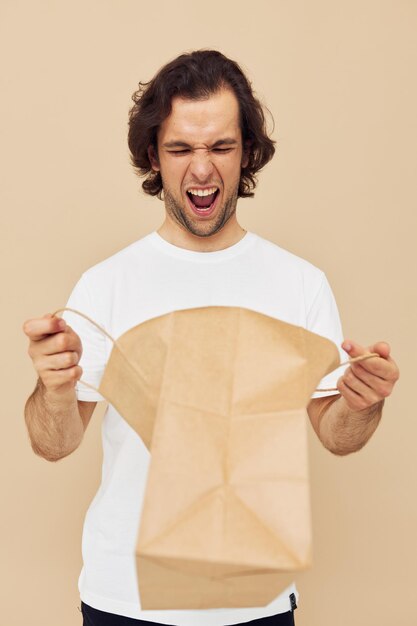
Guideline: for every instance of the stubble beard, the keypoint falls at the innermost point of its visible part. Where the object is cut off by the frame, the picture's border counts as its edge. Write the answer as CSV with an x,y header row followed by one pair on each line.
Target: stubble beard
x,y
202,228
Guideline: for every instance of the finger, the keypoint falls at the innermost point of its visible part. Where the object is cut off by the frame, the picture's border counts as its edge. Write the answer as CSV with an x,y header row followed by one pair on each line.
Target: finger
x,y
39,328
360,387
64,341
354,349
354,400
54,379
380,385
63,360
382,348
379,366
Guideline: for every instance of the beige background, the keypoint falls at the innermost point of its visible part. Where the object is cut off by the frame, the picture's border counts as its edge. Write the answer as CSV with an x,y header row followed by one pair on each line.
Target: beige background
x,y
339,78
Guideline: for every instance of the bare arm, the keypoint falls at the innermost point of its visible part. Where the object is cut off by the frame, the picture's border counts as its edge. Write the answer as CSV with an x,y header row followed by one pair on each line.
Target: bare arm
x,y
340,429
56,422
55,419
345,422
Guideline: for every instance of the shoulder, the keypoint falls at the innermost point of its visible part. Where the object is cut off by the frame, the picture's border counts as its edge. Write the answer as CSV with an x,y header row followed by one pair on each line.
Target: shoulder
x,y
282,259
117,264
287,273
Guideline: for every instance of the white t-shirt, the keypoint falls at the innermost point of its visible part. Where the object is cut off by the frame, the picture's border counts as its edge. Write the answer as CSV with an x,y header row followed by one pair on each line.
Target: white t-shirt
x,y
147,279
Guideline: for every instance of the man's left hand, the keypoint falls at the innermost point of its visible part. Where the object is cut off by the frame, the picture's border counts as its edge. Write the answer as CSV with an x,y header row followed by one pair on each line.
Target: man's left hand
x,y
370,381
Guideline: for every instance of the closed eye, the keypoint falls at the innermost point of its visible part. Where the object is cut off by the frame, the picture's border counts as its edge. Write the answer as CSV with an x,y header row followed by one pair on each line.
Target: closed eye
x,y
185,151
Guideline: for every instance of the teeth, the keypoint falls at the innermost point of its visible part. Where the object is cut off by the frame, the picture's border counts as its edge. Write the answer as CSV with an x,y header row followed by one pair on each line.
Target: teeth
x,y
202,192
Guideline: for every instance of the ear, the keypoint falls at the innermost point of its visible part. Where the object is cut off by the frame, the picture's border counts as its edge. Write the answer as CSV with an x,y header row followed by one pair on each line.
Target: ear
x,y
246,153
153,158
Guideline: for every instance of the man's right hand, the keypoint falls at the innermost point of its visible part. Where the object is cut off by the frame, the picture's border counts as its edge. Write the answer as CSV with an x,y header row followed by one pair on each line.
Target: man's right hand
x,y
55,350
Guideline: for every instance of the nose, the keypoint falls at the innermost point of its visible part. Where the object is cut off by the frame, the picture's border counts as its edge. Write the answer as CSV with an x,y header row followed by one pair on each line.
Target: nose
x,y
201,167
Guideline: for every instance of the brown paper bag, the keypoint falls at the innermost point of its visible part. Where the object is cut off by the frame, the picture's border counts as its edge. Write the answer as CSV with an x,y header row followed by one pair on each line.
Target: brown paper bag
x,y
226,515
219,395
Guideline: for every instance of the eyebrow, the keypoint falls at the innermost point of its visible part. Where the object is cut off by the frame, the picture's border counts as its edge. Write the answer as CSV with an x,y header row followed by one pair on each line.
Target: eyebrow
x,y
182,144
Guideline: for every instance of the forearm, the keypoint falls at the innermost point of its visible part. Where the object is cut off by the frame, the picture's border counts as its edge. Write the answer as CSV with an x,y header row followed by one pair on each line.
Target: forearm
x,y
342,430
54,423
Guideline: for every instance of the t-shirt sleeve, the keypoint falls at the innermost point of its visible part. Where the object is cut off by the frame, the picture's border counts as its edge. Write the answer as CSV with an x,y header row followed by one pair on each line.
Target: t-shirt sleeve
x,y
93,358
323,319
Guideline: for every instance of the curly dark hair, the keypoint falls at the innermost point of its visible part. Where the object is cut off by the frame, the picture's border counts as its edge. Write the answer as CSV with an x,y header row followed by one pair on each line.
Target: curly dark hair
x,y
196,76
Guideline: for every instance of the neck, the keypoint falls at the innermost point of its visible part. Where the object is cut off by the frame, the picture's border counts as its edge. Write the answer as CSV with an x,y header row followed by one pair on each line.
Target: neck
x,y
230,234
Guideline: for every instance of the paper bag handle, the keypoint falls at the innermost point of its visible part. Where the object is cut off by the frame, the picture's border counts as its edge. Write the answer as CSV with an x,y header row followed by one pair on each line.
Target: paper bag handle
x,y
83,382
356,359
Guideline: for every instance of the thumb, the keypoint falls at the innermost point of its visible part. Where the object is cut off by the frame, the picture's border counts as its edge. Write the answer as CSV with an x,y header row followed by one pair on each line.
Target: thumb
x,y
382,348
354,349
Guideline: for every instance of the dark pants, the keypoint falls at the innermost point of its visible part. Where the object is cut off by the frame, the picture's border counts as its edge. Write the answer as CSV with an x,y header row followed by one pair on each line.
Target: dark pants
x,y
94,617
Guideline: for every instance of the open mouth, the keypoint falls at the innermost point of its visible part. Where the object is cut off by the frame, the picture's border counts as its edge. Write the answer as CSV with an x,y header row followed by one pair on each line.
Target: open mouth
x,y
203,205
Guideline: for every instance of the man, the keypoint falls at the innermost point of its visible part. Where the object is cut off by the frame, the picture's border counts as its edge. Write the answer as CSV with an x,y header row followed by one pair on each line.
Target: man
x,y
197,133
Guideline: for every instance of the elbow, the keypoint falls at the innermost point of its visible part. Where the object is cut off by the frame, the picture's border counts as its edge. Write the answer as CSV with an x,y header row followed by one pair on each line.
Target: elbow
x,y
53,458
47,455
342,450
52,455
339,452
